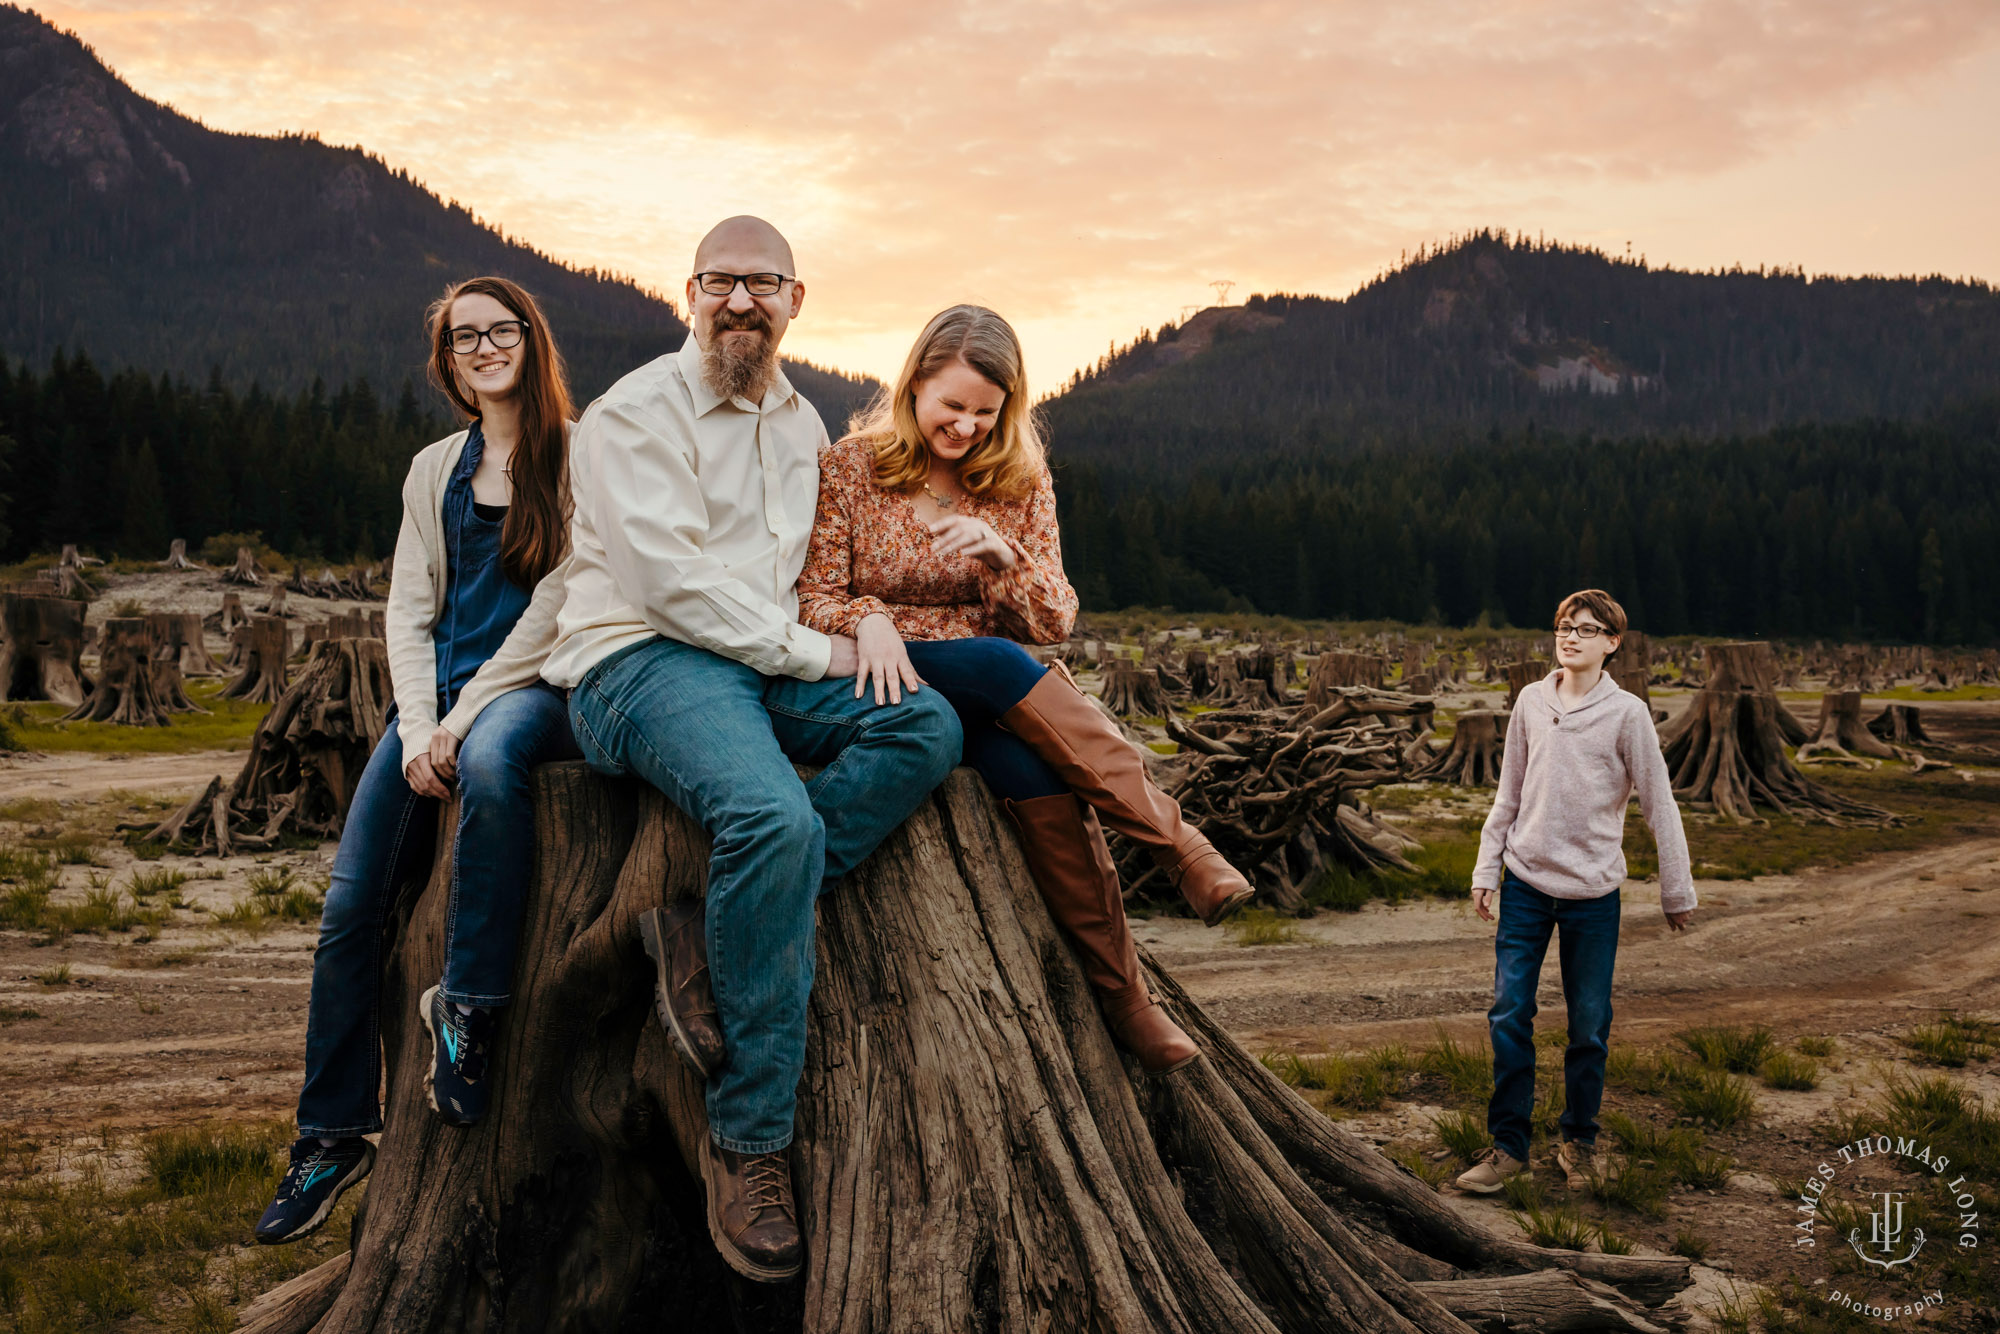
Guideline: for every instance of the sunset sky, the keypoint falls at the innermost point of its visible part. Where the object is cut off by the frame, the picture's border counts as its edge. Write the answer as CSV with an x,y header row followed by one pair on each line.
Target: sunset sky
x,y
1089,167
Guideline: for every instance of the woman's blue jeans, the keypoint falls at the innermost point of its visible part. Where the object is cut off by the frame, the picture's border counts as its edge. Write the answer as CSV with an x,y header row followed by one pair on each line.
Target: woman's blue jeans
x,y
388,841
719,741
1588,953
982,679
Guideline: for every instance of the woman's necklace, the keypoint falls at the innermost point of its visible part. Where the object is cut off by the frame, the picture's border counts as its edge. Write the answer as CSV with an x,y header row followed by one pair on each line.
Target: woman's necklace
x,y
942,502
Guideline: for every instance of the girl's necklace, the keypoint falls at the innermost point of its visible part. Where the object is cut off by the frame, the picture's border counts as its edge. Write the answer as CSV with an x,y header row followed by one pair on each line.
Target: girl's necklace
x,y
942,502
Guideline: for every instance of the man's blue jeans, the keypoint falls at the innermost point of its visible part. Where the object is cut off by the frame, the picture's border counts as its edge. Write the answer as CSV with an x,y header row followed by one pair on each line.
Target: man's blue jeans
x,y
387,841
719,740
1587,952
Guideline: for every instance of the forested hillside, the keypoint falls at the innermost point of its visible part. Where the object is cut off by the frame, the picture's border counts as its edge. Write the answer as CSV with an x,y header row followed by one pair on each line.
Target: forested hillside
x,y
146,239
1498,330
1873,529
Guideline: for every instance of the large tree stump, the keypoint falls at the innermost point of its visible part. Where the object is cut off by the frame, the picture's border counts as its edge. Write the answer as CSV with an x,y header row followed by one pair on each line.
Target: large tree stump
x,y
1520,674
1841,735
305,758
247,570
276,606
1332,671
1473,756
41,649
1134,691
129,688
1727,749
1902,724
262,645
972,1152
177,636
177,556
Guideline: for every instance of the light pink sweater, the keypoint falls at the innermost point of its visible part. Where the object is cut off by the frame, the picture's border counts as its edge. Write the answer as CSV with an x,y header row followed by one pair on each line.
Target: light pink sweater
x,y
1559,820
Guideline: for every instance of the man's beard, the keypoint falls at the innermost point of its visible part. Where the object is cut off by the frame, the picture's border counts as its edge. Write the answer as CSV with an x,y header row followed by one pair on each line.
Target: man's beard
x,y
732,370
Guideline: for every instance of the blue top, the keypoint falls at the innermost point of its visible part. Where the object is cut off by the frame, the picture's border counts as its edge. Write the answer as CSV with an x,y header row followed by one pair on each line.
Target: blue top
x,y
481,603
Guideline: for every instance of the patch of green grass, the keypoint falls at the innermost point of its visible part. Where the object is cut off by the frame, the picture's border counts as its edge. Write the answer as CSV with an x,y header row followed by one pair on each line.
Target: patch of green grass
x,y
1789,1070
1355,1083
1691,1244
228,725
31,810
268,907
1432,1174
1738,1050
1523,1191
1468,1071
1820,1048
208,1158
155,880
1611,1243
1714,1098
1562,1227
1261,926
58,976
1464,1134
15,1014
1949,1115
1633,1186
1952,1040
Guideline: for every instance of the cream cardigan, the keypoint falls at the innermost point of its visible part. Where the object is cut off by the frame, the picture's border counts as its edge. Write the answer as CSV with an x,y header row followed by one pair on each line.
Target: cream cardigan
x,y
417,592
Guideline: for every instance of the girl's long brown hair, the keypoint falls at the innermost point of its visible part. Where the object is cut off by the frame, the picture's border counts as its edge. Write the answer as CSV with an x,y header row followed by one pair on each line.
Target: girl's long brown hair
x,y
534,537
1008,462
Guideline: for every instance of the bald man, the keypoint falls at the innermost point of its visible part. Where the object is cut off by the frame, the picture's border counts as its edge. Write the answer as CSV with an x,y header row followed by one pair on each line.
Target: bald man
x,y
695,479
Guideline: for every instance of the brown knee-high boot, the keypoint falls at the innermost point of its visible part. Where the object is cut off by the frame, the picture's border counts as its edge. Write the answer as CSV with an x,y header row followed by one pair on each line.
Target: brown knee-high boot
x,y
1072,867
1086,749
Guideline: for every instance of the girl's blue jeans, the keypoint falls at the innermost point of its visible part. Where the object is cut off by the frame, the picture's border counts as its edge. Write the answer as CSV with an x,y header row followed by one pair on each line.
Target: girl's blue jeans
x,y
388,841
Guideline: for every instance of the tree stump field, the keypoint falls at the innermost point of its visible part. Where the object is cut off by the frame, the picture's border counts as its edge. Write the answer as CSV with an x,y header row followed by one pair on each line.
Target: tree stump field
x,y
973,1153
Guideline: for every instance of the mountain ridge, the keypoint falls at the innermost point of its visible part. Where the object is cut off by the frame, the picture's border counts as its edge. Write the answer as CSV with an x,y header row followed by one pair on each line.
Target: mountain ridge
x,y
146,238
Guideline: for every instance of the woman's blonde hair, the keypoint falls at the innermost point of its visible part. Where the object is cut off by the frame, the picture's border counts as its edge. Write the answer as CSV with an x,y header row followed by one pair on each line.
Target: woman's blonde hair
x,y
1009,461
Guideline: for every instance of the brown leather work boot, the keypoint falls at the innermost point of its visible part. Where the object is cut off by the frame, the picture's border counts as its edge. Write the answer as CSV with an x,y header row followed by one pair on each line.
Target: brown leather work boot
x,y
751,1215
1085,748
1065,849
677,942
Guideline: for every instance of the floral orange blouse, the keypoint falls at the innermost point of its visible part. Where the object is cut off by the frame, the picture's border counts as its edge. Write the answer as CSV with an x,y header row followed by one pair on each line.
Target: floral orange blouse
x,y
870,552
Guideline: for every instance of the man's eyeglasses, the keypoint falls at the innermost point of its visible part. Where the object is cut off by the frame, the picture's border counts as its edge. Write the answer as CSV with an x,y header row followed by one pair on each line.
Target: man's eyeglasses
x,y
1580,631
507,333
756,284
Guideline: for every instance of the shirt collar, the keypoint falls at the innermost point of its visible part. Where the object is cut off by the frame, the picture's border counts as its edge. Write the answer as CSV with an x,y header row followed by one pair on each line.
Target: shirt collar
x,y
469,455
706,399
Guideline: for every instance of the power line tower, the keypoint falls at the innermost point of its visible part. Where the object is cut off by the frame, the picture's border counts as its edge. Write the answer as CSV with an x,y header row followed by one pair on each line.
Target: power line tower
x,y
1222,286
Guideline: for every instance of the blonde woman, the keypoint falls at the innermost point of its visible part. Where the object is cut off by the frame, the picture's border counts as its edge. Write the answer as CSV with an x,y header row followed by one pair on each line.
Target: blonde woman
x,y
935,547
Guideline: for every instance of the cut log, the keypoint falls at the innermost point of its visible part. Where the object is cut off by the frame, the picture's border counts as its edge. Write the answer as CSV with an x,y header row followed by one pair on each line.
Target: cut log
x,y
1551,1301
177,556
41,649
1134,691
177,635
1902,724
1473,756
128,686
263,645
246,570
305,758
972,1152
1333,670
1727,749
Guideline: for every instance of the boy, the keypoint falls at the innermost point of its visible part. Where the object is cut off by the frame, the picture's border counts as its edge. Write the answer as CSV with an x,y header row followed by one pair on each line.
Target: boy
x,y
1553,849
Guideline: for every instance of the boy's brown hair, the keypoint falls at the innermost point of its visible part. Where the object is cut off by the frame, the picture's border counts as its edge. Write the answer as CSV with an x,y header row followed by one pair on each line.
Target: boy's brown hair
x,y
1599,604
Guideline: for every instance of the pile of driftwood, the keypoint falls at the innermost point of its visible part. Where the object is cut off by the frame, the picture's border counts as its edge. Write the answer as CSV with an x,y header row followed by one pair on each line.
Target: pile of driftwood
x,y
1278,791
304,762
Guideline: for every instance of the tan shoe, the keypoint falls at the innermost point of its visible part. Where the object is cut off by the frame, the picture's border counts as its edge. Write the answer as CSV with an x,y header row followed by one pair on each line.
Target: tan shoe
x,y
676,940
751,1215
1075,738
1065,849
1488,1174
1579,1164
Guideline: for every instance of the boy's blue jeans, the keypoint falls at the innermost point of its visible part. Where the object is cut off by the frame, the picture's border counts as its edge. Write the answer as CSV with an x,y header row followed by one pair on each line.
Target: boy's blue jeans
x,y
1587,952
719,740
387,841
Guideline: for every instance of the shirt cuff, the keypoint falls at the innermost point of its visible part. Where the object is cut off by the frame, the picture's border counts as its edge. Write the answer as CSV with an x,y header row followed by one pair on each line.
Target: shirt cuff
x,y
811,655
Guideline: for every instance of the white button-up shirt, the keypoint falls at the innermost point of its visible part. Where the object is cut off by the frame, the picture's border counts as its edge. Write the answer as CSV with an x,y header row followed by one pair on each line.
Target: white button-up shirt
x,y
691,519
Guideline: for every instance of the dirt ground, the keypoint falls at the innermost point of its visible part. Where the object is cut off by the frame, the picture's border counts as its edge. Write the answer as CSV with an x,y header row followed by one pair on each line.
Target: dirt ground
x,y
207,1022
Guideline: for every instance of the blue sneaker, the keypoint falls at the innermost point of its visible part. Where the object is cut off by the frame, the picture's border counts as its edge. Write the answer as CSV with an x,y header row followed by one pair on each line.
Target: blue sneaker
x,y
318,1175
455,1082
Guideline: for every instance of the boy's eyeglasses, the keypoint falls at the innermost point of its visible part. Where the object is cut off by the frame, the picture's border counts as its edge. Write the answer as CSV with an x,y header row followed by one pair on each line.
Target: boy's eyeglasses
x,y
507,333
756,284
1580,631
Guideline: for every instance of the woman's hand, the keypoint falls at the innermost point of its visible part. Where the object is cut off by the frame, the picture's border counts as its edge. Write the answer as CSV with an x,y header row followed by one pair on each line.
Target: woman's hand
x,y
882,659
423,779
444,754
961,534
